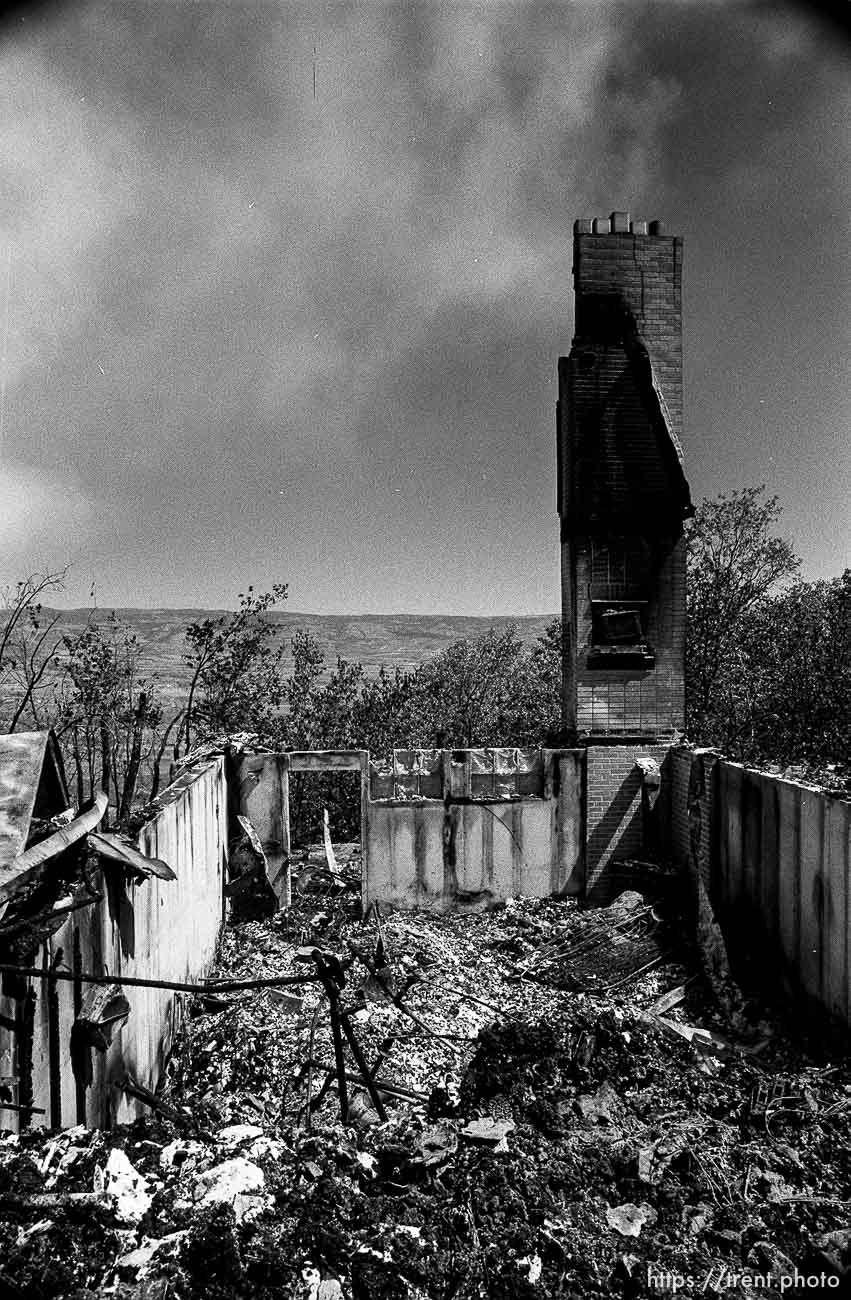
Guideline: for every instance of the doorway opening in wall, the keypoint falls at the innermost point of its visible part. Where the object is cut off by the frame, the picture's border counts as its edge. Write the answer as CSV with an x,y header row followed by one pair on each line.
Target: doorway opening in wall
x,y
325,831
312,792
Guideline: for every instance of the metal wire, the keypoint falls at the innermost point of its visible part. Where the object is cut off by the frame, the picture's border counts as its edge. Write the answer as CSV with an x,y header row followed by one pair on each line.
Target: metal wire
x,y
179,986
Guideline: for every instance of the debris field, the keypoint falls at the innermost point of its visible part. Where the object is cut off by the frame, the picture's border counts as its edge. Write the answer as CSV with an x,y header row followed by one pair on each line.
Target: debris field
x,y
540,1100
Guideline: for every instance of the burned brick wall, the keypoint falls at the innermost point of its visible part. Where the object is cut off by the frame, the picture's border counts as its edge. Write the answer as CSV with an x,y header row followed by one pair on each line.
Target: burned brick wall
x,y
622,500
622,494
626,269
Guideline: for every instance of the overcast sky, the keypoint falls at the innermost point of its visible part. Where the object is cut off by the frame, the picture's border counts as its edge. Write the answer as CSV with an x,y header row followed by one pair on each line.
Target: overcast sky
x,y
249,332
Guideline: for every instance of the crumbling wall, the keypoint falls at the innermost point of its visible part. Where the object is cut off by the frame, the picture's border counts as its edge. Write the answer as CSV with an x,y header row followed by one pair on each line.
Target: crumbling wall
x,y
444,829
774,858
462,848
150,929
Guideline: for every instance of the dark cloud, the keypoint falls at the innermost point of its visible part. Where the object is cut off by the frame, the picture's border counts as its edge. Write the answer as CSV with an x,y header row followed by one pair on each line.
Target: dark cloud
x,y
294,331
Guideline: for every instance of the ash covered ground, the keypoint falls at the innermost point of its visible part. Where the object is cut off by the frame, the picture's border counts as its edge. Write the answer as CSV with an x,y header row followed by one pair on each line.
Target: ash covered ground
x,y
552,1127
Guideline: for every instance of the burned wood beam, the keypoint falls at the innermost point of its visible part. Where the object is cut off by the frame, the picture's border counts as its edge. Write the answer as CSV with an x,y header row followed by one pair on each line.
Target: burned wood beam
x,y
313,1103
77,964
309,1067
47,916
389,1089
360,1061
25,1018
53,1200
333,995
131,1088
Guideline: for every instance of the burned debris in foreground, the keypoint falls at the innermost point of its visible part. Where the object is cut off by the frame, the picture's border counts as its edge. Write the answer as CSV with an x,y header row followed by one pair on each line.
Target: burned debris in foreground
x,y
541,1100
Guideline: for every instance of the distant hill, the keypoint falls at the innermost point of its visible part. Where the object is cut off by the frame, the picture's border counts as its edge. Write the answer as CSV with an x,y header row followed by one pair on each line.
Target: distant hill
x,y
395,640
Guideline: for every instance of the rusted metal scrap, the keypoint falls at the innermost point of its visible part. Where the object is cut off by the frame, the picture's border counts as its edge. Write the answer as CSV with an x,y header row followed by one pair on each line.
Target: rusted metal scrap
x,y
619,944
104,1009
32,792
179,986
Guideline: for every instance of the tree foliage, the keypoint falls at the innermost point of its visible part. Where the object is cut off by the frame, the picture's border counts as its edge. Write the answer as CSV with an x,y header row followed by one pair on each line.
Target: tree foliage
x,y
108,715
767,658
466,694
29,645
787,702
734,563
479,691
236,682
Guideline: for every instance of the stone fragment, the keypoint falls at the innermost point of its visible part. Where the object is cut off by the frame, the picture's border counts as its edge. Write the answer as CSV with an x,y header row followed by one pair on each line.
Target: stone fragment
x,y
127,1186
235,1134
629,1219
235,1182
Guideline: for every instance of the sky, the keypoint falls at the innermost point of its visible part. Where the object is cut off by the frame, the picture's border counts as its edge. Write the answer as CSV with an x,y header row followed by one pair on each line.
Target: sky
x,y
283,286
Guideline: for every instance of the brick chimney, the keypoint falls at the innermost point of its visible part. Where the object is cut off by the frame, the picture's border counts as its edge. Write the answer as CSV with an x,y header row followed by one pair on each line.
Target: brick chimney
x,y
622,492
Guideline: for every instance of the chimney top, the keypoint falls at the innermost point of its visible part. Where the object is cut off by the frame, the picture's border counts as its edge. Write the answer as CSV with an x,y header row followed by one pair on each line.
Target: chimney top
x,y
619,223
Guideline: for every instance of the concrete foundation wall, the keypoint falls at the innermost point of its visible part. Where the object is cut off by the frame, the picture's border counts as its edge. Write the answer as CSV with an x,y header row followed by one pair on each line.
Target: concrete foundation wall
x,y
452,854
775,857
155,929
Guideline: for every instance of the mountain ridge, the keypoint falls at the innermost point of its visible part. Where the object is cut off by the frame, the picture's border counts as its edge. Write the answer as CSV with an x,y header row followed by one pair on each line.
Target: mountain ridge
x,y
393,640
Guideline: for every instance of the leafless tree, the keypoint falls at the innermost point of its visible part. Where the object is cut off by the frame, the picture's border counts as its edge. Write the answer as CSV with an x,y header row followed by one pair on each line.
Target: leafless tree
x,y
29,648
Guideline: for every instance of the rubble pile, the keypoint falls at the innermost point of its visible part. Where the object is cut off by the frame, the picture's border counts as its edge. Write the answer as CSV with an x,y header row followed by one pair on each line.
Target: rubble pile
x,y
540,1110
